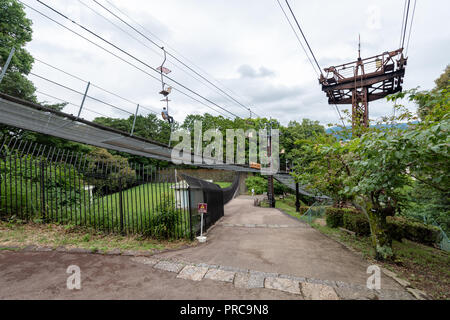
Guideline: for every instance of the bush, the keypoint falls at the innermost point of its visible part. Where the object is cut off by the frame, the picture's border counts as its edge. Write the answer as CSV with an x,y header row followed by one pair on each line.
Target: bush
x,y
260,185
357,222
164,223
334,217
401,227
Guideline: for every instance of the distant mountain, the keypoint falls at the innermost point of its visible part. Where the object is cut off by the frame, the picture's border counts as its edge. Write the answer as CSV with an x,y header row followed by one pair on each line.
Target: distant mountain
x,y
335,130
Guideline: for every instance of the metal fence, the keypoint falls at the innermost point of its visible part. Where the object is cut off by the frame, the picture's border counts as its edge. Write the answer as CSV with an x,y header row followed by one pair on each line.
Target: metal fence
x,y
48,184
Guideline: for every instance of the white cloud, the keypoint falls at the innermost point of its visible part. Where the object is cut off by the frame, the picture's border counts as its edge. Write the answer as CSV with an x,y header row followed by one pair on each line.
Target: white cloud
x,y
246,45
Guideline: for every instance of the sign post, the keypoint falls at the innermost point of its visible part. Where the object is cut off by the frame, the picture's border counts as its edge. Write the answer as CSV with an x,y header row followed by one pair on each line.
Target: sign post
x,y
202,209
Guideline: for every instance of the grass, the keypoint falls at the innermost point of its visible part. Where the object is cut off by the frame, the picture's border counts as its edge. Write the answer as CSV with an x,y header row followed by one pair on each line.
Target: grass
x,y
54,235
425,267
223,184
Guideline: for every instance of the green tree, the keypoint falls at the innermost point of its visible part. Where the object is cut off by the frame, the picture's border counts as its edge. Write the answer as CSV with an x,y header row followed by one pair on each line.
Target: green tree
x,y
373,170
15,32
425,100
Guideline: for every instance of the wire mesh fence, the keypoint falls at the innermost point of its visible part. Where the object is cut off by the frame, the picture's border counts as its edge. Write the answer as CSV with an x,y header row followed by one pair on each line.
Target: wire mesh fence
x,y
47,184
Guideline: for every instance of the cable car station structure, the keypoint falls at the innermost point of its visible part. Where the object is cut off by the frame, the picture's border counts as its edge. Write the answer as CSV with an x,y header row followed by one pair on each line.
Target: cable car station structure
x,y
364,80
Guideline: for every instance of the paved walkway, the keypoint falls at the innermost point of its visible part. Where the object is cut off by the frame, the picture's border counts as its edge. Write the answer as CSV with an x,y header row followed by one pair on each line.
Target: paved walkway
x,y
252,253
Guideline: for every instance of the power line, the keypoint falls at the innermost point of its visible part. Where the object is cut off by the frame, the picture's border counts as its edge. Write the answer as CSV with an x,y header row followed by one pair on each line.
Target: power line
x,y
80,93
298,25
122,59
406,24
132,56
403,23
298,38
115,25
71,103
410,28
94,85
171,55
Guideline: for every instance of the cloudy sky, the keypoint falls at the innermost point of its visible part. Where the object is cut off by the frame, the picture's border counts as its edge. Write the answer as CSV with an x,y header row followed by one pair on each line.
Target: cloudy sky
x,y
245,47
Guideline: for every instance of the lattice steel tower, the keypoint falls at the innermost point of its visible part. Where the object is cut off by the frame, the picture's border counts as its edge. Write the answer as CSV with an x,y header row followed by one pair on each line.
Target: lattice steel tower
x,y
359,82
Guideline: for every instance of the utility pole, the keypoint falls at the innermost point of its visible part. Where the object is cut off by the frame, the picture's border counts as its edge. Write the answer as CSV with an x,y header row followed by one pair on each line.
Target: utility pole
x,y
270,189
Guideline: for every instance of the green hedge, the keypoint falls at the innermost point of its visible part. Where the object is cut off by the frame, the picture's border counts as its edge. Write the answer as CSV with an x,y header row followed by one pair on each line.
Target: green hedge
x,y
335,216
357,222
401,227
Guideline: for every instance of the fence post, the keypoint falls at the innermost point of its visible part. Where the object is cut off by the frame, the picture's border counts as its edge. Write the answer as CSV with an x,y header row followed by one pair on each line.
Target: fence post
x,y
121,205
8,61
190,213
84,99
297,198
41,164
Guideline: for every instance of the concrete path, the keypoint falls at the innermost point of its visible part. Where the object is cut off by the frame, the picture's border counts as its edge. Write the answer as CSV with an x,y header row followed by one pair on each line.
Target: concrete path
x,y
252,253
269,241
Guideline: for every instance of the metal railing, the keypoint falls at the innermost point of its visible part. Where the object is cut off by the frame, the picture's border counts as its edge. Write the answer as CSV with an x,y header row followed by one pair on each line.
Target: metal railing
x,y
47,184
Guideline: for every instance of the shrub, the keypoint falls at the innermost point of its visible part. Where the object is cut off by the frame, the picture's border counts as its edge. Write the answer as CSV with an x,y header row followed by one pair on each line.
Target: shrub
x,y
334,217
357,222
401,227
163,224
260,185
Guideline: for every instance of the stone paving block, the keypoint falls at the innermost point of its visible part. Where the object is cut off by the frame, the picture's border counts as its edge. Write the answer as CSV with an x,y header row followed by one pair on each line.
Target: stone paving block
x,y
241,280
281,284
354,294
129,253
44,249
113,252
169,266
394,295
79,250
144,260
220,275
418,294
233,269
263,274
192,273
255,281
313,291
299,279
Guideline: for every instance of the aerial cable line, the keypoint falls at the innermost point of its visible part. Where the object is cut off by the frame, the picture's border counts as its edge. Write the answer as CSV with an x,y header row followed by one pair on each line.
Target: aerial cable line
x,y
298,25
133,57
94,85
138,40
71,103
307,55
80,93
118,57
406,24
298,38
403,23
171,55
410,27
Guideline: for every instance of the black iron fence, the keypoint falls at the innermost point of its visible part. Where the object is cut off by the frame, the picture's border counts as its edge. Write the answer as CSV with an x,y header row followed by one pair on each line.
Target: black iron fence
x,y
53,185
202,191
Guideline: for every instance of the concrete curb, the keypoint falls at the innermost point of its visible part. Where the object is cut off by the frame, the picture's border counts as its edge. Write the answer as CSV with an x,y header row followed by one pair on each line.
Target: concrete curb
x,y
113,252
